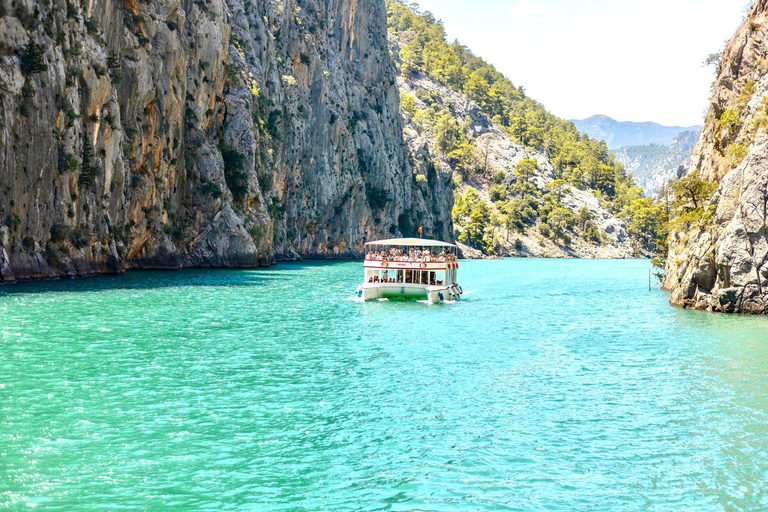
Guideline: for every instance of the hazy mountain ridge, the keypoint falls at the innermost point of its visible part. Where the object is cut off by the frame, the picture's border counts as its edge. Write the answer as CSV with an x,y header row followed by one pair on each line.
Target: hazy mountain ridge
x,y
618,134
654,166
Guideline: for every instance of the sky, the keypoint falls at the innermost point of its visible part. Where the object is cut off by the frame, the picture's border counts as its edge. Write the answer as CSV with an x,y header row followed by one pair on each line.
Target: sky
x,y
633,60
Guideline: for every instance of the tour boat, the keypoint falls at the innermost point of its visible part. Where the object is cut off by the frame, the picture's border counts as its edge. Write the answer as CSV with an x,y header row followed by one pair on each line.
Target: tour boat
x,y
410,268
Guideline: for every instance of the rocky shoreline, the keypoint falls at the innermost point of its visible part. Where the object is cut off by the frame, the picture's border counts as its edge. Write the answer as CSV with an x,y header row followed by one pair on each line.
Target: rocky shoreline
x,y
718,262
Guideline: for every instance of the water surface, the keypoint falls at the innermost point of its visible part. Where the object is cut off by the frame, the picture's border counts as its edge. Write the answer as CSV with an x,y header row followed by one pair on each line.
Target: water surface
x,y
553,385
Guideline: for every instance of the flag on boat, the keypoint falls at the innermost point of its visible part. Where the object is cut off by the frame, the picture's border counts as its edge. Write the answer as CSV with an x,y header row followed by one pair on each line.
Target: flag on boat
x,y
421,228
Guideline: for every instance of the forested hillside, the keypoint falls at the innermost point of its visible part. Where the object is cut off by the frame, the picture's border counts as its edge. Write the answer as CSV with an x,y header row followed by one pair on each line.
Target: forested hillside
x,y
540,198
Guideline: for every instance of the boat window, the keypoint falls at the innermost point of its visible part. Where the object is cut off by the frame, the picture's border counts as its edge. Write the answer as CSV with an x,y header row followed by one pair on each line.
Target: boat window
x,y
439,278
400,276
409,276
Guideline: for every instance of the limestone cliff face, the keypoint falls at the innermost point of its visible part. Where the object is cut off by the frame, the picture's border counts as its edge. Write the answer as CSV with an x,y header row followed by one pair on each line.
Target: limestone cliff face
x,y
224,133
721,265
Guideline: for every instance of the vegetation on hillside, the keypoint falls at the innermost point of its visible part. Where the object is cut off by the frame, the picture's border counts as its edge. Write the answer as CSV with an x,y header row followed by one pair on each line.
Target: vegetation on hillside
x,y
517,204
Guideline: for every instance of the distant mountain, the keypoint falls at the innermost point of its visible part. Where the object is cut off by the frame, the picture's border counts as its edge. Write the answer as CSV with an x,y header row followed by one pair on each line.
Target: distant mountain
x,y
620,134
654,166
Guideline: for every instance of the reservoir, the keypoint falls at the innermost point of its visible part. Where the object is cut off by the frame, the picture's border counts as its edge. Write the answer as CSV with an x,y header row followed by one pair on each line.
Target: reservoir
x,y
551,385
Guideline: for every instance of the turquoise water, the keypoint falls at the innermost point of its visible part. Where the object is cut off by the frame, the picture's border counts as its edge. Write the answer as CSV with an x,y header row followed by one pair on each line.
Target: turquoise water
x,y
553,385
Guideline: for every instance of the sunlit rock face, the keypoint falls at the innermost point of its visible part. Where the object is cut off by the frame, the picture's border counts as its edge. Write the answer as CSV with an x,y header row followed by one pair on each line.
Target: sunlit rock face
x,y
214,133
720,265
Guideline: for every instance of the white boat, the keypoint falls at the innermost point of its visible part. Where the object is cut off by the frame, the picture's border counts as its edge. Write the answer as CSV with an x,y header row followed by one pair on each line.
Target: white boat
x,y
410,268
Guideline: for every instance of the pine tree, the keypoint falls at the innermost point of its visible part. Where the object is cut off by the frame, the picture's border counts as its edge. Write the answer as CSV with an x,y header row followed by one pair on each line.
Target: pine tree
x,y
32,59
89,172
115,68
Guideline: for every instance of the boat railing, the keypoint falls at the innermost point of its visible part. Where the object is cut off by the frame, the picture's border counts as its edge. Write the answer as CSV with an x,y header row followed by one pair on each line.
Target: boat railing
x,y
412,259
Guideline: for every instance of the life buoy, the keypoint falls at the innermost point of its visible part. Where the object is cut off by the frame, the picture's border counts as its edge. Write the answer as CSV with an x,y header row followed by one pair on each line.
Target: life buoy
x,y
384,264
423,265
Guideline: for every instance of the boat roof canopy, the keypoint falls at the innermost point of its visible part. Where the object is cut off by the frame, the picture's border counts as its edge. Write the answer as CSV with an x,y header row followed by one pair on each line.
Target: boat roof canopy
x,y
415,242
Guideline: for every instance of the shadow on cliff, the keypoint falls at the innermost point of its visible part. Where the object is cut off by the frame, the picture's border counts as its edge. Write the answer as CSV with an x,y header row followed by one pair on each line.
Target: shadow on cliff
x,y
155,279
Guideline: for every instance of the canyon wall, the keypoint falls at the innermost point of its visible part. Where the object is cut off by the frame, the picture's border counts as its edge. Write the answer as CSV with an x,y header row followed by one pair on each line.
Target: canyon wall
x,y
718,262
207,133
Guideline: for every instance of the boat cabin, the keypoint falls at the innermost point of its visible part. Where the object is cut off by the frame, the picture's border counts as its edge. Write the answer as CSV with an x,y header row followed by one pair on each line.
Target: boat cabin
x,y
410,268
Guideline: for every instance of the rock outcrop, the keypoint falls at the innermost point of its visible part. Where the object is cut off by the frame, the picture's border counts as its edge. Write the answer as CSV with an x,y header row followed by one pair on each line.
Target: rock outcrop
x,y
216,133
720,264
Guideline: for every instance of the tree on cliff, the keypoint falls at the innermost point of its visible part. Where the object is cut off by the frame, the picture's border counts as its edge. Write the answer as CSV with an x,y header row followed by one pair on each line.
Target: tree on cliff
x,y
526,169
33,59
691,192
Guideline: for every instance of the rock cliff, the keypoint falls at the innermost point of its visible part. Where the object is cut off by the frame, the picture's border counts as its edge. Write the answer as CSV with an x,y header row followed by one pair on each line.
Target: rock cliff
x,y
718,262
222,133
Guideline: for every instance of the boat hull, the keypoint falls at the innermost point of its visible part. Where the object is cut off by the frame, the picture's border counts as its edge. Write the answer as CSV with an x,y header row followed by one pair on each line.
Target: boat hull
x,y
432,294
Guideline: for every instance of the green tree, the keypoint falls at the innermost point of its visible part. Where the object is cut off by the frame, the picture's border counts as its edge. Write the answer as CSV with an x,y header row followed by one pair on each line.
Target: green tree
x,y
477,89
115,68
447,132
235,174
558,188
33,59
407,104
526,169
497,193
691,192
473,215
560,220
730,122
647,223
519,213
410,60
463,159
